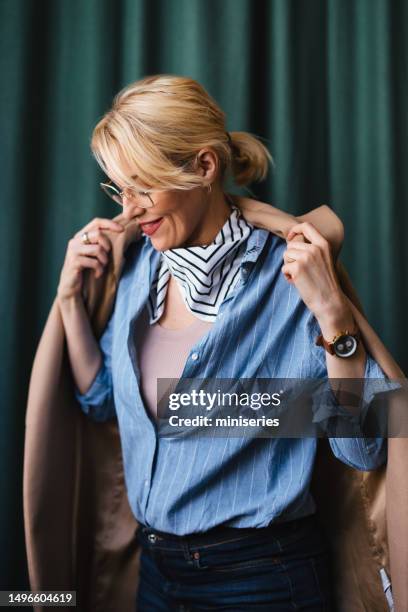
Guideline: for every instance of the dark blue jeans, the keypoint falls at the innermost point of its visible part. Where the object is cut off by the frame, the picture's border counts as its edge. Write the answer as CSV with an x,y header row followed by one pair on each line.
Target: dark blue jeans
x,y
279,568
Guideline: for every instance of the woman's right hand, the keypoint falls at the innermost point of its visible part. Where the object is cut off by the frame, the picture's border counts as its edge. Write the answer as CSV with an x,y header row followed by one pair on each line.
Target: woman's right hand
x,y
80,255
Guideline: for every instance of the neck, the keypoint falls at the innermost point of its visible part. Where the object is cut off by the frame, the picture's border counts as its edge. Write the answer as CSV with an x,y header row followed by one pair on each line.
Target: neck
x,y
216,213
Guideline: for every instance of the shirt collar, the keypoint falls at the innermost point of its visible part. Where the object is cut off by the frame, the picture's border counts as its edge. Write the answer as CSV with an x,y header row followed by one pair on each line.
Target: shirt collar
x,y
255,244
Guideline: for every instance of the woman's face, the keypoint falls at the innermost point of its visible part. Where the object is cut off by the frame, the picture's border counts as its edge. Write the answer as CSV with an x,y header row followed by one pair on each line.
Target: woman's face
x,y
181,215
186,218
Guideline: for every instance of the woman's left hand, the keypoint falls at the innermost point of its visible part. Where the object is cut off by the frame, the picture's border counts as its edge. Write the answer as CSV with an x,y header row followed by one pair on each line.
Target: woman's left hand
x,y
309,267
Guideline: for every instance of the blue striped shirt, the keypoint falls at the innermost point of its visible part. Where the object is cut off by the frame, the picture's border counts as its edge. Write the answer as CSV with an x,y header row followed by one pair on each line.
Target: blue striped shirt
x,y
263,330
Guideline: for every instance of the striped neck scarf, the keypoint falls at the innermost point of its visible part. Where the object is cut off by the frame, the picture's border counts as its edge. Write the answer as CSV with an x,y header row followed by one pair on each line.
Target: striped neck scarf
x,y
205,274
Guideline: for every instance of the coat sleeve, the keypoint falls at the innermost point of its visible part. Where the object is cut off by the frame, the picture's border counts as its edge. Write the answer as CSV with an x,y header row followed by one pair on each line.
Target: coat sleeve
x,y
356,450
98,402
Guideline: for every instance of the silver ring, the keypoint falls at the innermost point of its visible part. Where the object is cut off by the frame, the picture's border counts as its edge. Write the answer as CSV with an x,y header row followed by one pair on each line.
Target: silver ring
x,y
85,238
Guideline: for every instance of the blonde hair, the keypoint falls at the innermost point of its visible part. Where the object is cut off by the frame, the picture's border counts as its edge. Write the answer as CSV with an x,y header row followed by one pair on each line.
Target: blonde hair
x,y
158,125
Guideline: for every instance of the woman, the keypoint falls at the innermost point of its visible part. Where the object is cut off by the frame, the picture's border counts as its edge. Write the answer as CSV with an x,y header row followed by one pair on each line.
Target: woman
x,y
224,525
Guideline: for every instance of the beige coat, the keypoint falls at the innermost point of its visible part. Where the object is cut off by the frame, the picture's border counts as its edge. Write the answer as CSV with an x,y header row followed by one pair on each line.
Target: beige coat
x,y
80,532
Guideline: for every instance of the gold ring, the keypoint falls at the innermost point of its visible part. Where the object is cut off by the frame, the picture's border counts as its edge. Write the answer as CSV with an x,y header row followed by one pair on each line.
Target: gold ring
x,y
85,238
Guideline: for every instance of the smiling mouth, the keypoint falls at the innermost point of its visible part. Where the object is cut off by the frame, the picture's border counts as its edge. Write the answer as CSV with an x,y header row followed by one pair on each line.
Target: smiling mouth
x,y
150,222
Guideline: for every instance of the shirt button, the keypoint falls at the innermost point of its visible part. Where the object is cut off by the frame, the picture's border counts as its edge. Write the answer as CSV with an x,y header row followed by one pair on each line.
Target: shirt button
x,y
146,483
194,356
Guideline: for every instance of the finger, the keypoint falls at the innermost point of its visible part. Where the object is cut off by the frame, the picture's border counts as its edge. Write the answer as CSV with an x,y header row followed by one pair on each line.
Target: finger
x,y
302,250
95,250
97,237
107,224
297,250
290,255
296,238
103,224
302,246
289,270
104,241
89,262
309,231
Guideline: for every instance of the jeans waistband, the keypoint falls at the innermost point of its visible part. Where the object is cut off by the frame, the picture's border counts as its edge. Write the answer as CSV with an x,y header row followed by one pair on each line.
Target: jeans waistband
x,y
222,533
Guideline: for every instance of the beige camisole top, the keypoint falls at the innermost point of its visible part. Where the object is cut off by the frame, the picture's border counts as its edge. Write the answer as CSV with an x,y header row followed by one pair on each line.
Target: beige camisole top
x,y
162,353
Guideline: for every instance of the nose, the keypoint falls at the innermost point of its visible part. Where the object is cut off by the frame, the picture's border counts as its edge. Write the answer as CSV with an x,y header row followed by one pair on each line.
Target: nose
x,y
130,209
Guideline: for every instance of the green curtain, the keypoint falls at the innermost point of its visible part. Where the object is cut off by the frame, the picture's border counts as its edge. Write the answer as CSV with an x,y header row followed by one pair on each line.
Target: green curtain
x,y
324,82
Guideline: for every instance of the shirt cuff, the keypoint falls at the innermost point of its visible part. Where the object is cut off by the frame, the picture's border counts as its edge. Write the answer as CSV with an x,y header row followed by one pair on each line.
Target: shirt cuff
x,y
97,393
329,411
376,381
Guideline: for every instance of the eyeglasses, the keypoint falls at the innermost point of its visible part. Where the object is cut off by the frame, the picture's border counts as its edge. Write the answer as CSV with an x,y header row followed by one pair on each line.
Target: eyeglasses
x,y
145,200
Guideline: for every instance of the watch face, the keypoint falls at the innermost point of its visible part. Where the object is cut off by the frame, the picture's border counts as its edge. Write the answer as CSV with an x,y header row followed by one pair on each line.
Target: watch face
x,y
345,346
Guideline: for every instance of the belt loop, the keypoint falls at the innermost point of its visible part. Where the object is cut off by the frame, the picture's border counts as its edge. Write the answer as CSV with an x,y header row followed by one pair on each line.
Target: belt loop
x,y
186,551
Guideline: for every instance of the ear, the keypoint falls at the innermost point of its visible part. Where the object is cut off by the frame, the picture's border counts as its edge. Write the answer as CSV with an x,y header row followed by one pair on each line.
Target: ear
x,y
207,164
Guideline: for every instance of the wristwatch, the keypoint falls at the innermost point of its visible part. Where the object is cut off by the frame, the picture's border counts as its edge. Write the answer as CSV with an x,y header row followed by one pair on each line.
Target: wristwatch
x,y
344,343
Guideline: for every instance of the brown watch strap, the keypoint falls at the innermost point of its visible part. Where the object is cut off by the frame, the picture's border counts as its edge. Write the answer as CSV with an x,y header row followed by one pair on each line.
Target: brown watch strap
x,y
328,346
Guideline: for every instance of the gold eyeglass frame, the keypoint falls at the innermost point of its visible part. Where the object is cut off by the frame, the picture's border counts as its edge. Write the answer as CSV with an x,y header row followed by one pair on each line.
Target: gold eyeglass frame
x,y
112,191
